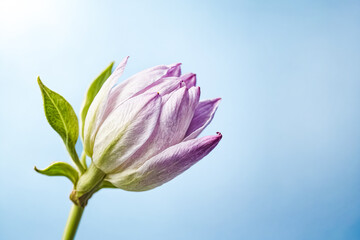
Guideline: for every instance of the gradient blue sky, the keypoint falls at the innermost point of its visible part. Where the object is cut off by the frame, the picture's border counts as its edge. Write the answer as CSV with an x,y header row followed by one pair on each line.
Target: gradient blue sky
x,y
288,166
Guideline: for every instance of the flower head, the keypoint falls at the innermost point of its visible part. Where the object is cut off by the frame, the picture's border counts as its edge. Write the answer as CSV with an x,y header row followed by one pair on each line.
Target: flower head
x,y
143,132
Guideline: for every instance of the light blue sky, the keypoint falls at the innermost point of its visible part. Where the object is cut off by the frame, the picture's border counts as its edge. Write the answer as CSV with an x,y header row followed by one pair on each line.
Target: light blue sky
x,y
288,166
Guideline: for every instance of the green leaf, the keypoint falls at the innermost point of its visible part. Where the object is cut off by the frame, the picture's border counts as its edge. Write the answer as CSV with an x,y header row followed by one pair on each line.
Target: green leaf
x,y
61,116
91,93
60,169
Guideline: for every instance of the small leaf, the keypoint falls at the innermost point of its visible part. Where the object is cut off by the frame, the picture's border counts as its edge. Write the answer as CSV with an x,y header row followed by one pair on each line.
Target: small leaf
x,y
91,93
61,116
60,169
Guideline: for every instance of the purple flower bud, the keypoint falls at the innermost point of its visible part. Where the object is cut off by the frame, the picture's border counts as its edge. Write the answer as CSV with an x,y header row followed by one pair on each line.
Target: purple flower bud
x,y
142,132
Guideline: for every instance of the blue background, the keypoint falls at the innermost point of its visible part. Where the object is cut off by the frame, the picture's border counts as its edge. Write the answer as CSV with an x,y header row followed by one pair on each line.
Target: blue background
x,y
288,166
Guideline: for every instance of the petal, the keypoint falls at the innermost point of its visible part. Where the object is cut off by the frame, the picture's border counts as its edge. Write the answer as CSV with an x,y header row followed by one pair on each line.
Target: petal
x,y
139,81
125,130
163,86
204,113
175,117
174,71
166,165
194,94
95,115
189,79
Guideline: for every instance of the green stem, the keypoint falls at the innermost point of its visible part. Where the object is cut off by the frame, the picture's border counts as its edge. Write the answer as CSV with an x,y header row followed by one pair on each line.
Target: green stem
x,y
83,159
72,222
75,159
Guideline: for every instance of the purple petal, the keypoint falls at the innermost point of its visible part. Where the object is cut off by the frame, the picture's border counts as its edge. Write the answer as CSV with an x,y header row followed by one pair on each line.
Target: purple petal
x,y
204,113
139,81
189,79
95,115
166,165
125,130
175,117
174,71
163,86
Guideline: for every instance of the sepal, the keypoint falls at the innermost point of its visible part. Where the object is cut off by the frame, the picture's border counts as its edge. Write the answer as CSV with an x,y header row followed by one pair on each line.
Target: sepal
x,y
106,184
88,184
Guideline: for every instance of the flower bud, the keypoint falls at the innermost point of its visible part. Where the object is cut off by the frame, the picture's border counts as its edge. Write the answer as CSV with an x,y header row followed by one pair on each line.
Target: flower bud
x,y
142,132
